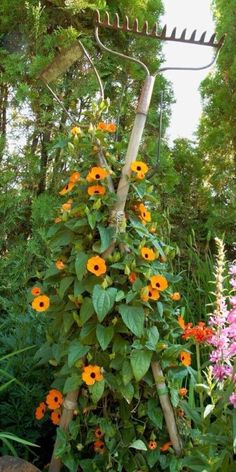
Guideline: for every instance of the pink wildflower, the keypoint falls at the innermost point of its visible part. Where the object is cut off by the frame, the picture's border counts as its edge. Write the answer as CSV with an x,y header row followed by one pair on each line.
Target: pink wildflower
x,y
232,399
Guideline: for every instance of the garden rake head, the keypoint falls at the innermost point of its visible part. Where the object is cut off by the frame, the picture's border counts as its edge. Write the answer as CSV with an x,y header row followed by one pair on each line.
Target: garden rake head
x,y
156,33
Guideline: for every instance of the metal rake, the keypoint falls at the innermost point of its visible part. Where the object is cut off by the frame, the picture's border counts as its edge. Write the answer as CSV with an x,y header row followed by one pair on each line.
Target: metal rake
x,y
147,89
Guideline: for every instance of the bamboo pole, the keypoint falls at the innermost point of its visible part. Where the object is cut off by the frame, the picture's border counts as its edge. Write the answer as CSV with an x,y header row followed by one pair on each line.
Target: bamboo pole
x,y
166,407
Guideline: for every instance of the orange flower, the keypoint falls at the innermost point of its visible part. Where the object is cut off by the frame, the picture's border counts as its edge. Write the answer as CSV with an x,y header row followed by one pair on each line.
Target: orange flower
x,y
145,215
40,411
96,190
102,126
132,277
148,254
97,265
68,187
140,168
98,433
99,447
54,399
152,445
200,333
92,374
166,446
96,173
74,177
55,417
181,322
41,303
75,131
60,264
183,392
175,296
153,293
111,128
36,291
57,220
185,358
159,282
67,206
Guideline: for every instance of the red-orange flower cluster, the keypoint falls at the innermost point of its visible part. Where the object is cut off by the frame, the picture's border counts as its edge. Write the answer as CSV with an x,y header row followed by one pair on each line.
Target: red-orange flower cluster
x,y
200,333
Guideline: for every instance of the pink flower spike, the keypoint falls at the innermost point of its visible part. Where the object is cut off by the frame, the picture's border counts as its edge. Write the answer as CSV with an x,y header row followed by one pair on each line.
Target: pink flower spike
x,y
232,399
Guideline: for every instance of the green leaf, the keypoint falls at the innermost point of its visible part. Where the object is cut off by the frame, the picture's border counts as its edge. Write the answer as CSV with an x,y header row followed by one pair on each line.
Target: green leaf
x,y
127,392
106,235
104,335
62,238
140,362
72,383
97,390
103,300
126,372
153,338
154,413
86,310
80,265
76,351
160,308
139,444
133,318
64,285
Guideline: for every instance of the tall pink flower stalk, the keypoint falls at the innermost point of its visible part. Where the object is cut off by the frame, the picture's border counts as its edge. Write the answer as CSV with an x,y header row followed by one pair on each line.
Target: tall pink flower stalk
x,y
223,322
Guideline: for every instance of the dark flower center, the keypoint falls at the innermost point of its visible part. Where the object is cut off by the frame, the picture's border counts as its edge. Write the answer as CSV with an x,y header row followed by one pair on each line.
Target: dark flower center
x,y
139,168
92,375
56,399
146,256
102,446
96,191
97,176
41,304
99,432
96,267
67,186
157,285
149,294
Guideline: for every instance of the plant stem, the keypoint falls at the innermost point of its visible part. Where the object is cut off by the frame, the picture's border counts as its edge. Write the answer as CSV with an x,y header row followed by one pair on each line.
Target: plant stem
x,y
199,375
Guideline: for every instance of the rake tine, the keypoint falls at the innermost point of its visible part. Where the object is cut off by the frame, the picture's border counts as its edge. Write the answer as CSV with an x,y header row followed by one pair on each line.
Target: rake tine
x,y
145,28
163,33
173,34
182,37
154,30
192,38
107,19
126,24
135,26
212,39
202,39
117,21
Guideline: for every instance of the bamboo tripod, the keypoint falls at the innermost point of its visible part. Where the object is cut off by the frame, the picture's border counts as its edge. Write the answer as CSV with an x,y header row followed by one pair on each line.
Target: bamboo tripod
x,y
70,402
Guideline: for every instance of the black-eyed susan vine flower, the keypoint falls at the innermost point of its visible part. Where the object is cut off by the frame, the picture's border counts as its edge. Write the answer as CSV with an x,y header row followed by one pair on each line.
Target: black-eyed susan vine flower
x,y
40,411
60,264
35,291
159,282
41,303
92,374
148,254
68,187
99,447
185,358
54,399
56,417
144,214
96,190
97,265
140,169
152,445
96,173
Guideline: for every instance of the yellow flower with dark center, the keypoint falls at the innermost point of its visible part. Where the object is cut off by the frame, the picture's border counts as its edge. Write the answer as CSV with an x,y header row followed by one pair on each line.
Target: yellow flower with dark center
x,y
140,168
145,215
97,265
41,303
75,177
96,190
148,254
40,411
99,447
96,173
99,433
92,374
159,282
68,187
185,358
56,417
54,399
152,445
153,293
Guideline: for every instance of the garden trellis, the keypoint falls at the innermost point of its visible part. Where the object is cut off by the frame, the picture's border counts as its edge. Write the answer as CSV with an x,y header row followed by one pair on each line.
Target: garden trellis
x,y
118,215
